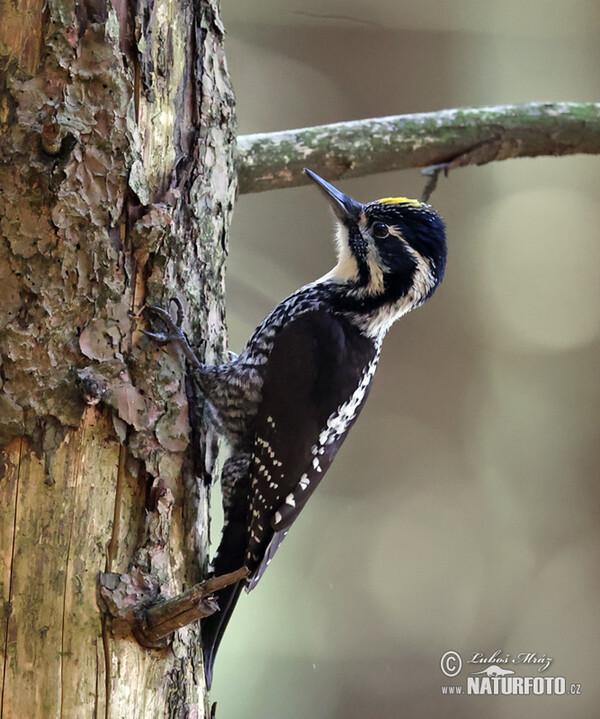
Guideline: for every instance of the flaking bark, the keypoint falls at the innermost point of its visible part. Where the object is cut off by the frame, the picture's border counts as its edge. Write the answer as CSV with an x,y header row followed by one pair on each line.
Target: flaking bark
x,y
116,189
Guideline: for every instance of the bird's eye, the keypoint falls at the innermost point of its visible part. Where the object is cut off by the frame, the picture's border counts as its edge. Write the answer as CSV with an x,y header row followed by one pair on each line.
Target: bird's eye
x,y
379,230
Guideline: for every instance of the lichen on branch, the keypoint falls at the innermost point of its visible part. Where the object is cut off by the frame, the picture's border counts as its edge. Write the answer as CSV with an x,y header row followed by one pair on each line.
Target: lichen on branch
x,y
459,137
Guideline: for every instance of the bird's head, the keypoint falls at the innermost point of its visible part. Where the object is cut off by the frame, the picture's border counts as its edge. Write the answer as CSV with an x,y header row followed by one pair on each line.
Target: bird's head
x,y
391,252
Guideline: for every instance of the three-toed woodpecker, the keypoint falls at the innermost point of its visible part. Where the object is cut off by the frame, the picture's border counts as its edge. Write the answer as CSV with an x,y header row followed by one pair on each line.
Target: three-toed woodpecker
x,y
287,402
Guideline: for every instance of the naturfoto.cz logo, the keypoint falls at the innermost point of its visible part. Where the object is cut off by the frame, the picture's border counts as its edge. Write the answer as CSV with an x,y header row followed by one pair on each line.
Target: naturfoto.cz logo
x,y
497,677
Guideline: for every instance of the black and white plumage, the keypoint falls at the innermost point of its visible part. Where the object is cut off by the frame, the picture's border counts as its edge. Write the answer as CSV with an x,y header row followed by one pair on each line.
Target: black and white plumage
x,y
287,402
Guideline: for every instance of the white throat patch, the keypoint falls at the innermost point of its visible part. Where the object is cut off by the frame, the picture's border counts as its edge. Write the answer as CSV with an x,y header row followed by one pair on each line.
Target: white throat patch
x,y
346,268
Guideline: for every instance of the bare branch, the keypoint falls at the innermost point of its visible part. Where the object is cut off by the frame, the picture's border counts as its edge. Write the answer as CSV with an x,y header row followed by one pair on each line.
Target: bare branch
x,y
460,137
153,625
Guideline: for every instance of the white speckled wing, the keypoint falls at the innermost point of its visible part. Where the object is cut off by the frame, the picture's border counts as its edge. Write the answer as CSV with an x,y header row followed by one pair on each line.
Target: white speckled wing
x,y
318,377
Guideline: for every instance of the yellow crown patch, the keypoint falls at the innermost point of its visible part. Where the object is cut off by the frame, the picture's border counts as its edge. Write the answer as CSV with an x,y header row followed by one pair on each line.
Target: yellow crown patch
x,y
399,201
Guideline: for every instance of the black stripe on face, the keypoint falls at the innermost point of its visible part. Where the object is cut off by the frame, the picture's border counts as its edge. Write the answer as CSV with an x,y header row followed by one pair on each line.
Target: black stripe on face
x,y
395,257
359,248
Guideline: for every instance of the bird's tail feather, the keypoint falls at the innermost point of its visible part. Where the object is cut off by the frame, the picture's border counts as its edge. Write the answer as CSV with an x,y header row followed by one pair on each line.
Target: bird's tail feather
x,y
228,558
213,627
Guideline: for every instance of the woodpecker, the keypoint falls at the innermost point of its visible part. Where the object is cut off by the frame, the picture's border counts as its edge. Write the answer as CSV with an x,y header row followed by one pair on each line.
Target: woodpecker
x,y
288,401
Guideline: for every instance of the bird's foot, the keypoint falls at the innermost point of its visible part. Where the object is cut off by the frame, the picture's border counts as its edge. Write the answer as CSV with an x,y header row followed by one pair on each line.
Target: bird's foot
x,y
173,331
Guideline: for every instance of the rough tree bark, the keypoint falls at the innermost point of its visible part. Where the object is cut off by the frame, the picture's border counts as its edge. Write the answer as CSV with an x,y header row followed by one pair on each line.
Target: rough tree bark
x,y
116,188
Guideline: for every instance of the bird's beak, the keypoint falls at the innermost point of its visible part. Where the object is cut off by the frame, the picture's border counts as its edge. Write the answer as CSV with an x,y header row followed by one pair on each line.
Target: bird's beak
x,y
346,209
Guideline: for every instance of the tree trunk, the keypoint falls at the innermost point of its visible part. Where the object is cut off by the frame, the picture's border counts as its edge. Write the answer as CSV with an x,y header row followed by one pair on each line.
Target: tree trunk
x,y
116,189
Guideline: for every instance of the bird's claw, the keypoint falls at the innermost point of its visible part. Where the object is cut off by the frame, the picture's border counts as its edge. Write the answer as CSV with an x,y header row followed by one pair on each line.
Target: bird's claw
x,y
174,332
156,336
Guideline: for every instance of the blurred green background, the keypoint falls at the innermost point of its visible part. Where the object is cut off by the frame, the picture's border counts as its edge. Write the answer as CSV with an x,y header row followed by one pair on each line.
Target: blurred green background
x,y
462,512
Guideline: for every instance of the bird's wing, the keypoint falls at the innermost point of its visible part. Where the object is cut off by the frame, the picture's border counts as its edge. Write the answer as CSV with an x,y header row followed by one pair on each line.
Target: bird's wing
x,y
317,378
